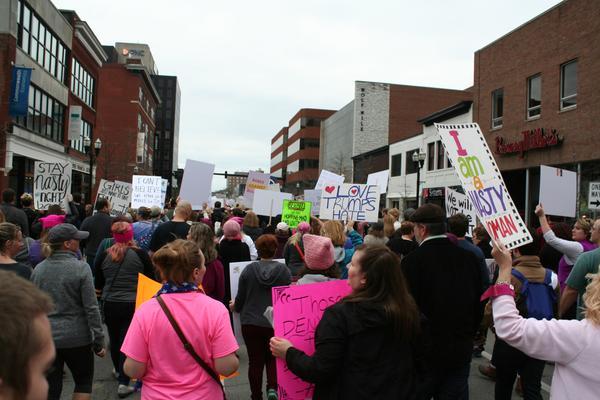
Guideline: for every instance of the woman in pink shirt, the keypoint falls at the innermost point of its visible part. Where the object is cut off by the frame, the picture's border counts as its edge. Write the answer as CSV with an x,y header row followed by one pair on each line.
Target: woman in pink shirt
x,y
156,354
572,345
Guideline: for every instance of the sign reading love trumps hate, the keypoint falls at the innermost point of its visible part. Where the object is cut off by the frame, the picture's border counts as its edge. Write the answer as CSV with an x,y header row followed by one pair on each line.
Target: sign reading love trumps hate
x,y
483,184
297,310
350,202
51,183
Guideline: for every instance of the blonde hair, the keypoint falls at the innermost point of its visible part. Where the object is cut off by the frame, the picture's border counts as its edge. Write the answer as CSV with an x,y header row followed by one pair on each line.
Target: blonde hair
x,y
388,225
591,299
177,260
394,212
586,225
334,231
251,220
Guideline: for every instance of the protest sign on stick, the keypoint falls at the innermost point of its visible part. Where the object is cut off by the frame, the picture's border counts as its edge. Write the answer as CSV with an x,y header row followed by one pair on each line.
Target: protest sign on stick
x,y
328,178
146,191
256,180
51,183
297,311
379,178
350,202
456,203
117,193
558,191
197,183
314,196
268,202
294,212
480,178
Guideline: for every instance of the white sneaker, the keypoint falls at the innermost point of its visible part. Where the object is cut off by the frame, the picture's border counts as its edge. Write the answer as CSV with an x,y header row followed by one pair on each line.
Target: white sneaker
x,y
115,374
124,391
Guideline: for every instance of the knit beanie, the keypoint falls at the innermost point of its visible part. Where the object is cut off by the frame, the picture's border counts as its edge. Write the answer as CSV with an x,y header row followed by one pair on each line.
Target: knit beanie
x,y
52,220
231,229
318,252
303,227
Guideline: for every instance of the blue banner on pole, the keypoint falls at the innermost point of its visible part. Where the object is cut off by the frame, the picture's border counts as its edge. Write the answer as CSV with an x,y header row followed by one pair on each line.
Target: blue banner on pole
x,y
19,91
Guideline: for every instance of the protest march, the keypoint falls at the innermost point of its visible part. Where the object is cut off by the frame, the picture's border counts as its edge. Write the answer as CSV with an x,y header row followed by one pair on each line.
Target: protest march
x,y
407,242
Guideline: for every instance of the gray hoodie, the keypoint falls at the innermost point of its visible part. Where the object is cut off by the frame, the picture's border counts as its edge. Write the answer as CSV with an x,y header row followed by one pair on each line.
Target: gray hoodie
x,y
254,290
314,278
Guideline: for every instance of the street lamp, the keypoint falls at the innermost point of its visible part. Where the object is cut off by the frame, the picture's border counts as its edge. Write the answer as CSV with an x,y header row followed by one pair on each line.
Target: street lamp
x,y
419,159
87,146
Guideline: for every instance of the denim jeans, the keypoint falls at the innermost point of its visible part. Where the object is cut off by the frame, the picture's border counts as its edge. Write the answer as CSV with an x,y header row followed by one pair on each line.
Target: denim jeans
x,y
510,361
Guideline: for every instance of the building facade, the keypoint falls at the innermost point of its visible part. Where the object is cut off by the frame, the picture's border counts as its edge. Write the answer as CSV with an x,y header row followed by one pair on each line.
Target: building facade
x,y
126,113
236,183
295,150
166,137
537,99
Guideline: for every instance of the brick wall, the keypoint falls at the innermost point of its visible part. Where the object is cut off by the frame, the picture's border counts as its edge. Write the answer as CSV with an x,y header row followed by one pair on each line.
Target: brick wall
x,y
8,45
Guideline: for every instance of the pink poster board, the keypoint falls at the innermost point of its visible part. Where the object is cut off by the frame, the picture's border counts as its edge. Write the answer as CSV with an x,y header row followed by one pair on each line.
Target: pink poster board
x,y
297,311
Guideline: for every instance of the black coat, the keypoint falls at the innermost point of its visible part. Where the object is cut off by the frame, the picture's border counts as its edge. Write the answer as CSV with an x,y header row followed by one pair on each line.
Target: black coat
x,y
231,251
357,356
445,281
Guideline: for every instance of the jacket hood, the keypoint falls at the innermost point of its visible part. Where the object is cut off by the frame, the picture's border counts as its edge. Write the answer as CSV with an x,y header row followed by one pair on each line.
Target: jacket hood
x,y
271,273
314,278
339,254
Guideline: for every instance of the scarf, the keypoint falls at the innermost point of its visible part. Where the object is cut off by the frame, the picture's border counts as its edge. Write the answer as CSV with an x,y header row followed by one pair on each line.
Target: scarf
x,y
172,287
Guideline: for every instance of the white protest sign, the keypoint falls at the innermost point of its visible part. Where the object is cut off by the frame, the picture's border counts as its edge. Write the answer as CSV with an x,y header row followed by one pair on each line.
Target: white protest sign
x,y
480,178
458,203
379,178
594,196
314,196
146,191
256,180
328,178
197,183
117,193
350,202
275,187
163,191
235,271
51,183
558,191
269,203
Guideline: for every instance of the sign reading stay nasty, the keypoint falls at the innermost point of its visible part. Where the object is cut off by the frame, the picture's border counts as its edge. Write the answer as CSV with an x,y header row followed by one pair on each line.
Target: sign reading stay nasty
x,y
481,179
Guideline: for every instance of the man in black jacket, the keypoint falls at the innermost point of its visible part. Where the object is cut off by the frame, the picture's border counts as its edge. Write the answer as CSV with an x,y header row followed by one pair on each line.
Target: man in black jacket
x,y
98,225
13,214
445,281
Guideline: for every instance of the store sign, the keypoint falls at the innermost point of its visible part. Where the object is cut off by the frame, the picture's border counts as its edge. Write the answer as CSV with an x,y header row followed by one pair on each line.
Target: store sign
x,y
538,138
133,53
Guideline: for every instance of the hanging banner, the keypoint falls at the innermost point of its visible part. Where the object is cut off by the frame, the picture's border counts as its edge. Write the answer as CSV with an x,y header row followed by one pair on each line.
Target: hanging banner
x,y
294,212
146,191
458,203
268,202
297,311
379,178
558,191
51,183
118,193
480,177
328,178
350,202
19,91
75,124
256,180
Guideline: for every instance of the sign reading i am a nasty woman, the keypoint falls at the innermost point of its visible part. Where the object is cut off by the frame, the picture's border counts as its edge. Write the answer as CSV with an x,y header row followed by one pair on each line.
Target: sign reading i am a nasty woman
x,y
350,202
483,184
51,183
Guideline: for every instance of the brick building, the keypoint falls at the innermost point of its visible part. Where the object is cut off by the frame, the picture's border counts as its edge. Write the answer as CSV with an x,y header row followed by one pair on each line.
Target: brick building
x,y
295,150
537,99
126,110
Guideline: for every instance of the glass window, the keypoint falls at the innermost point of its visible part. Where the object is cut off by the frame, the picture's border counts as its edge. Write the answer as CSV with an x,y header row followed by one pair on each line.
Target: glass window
x,y
440,155
396,165
45,115
568,85
534,96
82,83
497,107
86,131
431,156
411,166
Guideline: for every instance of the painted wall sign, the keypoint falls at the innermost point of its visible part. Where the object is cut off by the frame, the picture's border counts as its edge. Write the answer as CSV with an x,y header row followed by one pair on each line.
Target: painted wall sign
x,y
532,139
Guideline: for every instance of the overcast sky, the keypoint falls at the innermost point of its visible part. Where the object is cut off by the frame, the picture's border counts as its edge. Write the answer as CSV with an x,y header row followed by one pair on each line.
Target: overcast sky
x,y
246,67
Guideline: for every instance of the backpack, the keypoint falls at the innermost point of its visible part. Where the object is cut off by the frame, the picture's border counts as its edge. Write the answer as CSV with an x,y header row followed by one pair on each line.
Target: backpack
x,y
540,298
144,241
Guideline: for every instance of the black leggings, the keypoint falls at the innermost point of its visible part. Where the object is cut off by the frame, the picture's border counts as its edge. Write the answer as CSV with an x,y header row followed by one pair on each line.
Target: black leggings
x,y
80,361
118,317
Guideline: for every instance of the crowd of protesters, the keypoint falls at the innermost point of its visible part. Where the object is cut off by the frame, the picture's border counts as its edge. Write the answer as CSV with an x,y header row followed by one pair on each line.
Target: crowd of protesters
x,y
424,293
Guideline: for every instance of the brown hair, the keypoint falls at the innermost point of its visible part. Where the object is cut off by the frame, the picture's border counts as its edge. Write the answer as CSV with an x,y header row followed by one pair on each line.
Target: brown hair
x,y
386,285
251,220
407,228
481,233
8,232
177,260
20,303
204,237
388,225
315,226
586,225
394,212
118,250
334,231
266,246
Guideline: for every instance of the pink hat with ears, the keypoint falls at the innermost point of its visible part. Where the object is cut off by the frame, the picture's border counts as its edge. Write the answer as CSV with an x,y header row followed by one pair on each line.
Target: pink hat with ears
x,y
52,220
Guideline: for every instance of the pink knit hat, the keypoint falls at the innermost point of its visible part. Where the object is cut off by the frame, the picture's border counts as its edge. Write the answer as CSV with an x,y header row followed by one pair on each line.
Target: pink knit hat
x,y
231,229
303,227
52,220
318,252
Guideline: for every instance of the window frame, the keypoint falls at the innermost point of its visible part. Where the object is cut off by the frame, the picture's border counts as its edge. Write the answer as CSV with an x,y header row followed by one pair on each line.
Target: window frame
x,y
530,110
562,97
396,164
497,120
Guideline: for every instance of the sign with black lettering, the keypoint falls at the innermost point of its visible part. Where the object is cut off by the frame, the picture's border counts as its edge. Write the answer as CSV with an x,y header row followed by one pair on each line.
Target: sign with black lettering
x,y
51,183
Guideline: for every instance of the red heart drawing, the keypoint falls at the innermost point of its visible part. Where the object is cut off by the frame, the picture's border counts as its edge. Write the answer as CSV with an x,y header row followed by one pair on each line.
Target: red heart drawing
x,y
329,189
353,191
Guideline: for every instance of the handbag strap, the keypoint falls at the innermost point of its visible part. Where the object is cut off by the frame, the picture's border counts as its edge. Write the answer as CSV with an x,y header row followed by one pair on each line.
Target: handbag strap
x,y
186,344
300,252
